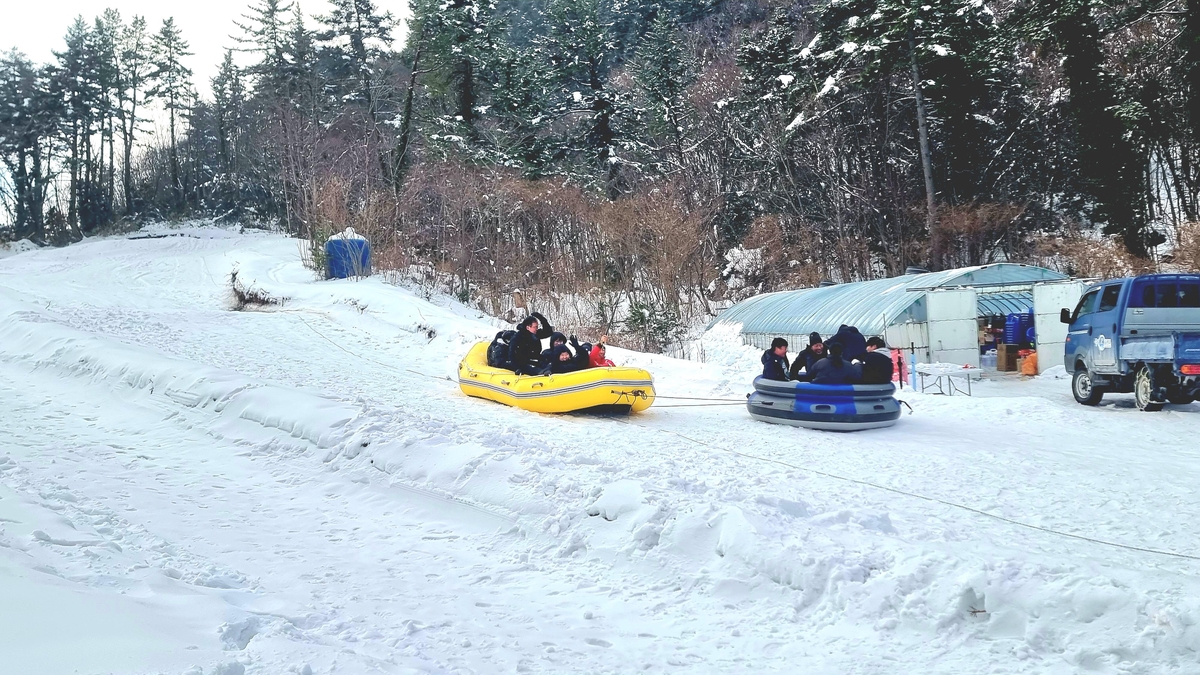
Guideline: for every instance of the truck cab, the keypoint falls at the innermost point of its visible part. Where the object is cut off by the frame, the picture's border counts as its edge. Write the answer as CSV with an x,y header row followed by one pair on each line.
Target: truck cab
x,y
1139,335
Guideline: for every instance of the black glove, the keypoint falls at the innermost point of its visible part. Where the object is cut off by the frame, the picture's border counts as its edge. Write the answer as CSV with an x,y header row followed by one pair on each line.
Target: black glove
x,y
574,342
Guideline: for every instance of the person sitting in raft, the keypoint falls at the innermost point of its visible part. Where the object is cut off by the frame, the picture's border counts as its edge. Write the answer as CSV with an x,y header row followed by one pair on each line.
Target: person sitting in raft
x,y
774,360
808,358
597,358
877,366
525,350
556,339
835,369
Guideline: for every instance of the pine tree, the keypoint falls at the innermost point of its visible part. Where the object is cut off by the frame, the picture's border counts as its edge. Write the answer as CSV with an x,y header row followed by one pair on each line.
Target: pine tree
x,y
265,34
356,34
1109,163
229,111
31,115
580,50
664,71
927,42
173,86
135,69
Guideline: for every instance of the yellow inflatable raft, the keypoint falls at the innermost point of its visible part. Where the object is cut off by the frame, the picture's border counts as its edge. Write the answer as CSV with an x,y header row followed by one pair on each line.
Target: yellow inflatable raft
x,y
599,389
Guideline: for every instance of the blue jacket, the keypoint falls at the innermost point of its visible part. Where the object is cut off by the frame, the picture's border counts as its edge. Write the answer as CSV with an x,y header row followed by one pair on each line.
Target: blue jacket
x,y
854,345
774,367
825,372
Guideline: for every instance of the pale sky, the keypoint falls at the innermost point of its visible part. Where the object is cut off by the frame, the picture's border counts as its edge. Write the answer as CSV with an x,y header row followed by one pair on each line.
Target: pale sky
x,y
37,27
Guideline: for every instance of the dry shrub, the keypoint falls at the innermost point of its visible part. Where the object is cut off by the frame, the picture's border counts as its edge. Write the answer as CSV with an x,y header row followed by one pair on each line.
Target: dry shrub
x,y
249,296
972,234
1080,255
485,234
1187,249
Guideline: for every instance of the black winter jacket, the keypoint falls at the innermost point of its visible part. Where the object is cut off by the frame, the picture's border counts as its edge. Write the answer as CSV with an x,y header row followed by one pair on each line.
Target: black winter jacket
x,y
877,367
774,367
806,360
525,353
558,367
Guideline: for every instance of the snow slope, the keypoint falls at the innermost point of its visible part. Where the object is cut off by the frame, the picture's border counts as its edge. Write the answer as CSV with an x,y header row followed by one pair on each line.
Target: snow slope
x,y
189,489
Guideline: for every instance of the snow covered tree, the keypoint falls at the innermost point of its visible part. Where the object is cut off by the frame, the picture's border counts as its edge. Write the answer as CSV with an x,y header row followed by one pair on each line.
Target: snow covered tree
x,y
356,34
1110,165
580,52
664,70
928,43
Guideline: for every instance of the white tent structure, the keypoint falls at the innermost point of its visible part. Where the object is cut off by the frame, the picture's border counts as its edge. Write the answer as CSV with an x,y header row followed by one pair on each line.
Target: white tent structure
x,y
933,314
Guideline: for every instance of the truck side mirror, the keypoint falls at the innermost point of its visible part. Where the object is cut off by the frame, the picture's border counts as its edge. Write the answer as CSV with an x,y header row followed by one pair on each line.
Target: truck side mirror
x,y
1065,316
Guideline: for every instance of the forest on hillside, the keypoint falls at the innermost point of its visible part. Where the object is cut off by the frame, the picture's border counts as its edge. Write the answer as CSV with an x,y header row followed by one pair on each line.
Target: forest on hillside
x,y
645,161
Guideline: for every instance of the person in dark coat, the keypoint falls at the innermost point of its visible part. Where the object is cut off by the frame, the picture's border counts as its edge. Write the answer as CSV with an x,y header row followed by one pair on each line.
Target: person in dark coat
x,y
563,361
877,366
808,358
556,339
525,350
854,345
835,369
774,360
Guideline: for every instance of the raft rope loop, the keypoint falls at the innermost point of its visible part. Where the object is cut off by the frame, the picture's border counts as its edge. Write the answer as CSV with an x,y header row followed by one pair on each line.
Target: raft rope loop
x,y
936,500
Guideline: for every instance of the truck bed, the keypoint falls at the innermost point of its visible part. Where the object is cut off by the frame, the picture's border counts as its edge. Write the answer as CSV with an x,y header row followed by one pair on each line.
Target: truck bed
x,y
1176,348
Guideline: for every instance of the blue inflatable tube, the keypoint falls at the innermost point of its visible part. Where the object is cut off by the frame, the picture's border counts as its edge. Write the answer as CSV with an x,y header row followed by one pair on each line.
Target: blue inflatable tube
x,y
838,407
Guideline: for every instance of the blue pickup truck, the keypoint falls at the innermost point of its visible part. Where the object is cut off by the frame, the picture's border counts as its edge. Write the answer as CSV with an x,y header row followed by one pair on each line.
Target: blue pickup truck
x,y
1139,335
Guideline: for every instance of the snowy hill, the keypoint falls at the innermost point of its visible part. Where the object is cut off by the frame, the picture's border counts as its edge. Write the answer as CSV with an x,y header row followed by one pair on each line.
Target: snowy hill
x,y
303,488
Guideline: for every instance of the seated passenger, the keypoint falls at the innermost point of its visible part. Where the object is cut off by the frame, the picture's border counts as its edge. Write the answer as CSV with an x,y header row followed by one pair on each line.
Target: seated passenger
x,y
562,360
597,358
877,366
556,339
774,360
835,369
808,358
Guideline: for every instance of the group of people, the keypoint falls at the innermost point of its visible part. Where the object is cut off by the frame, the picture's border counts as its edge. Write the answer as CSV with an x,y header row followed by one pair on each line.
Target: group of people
x,y
525,355
845,358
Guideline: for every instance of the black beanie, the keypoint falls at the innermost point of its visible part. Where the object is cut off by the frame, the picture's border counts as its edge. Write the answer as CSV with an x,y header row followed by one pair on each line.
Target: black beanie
x,y
813,338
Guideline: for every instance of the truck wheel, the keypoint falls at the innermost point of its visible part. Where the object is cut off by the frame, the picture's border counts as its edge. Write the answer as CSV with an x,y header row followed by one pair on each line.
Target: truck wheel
x,y
1143,390
1082,388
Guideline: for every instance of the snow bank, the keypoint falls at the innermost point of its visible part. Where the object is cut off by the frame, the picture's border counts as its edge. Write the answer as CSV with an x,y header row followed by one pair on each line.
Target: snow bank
x,y
8,249
1055,373
36,337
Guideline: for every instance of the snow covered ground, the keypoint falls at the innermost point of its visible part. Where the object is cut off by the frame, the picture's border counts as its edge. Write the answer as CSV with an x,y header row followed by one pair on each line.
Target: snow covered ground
x,y
303,489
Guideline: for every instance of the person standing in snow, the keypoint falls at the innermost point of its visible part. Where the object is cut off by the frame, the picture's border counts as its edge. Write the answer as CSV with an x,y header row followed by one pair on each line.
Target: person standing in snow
x,y
525,350
877,366
854,345
835,369
775,362
808,358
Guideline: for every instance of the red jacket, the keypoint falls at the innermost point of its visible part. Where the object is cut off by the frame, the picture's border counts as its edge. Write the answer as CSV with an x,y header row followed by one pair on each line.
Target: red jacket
x,y
597,360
